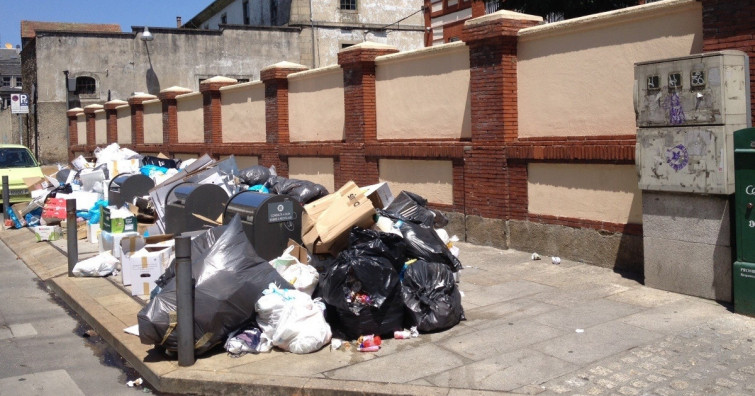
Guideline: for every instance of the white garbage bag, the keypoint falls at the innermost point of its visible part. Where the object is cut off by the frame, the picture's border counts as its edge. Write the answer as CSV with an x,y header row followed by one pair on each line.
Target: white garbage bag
x,y
102,264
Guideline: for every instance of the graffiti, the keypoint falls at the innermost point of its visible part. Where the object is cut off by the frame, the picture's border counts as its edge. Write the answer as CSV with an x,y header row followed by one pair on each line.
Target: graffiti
x,y
677,157
675,110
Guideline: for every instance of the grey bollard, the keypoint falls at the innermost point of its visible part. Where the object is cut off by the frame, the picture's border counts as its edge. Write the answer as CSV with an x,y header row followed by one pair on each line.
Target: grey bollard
x,y
6,197
184,302
71,235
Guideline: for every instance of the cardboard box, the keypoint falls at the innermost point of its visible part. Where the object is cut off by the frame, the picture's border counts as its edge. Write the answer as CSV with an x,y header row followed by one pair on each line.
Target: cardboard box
x,y
81,229
131,246
141,268
55,208
115,168
380,194
116,225
113,242
326,222
93,233
298,251
48,233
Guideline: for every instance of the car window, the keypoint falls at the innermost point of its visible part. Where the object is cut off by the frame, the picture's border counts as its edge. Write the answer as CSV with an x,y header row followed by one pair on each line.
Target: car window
x,y
16,158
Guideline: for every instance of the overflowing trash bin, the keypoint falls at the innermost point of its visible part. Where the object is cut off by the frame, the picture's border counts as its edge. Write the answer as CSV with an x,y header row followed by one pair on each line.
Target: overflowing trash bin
x,y
192,206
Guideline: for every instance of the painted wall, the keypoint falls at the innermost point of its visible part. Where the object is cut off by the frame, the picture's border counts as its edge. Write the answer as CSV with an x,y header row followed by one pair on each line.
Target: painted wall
x,y
329,41
431,179
259,13
315,101
243,161
370,11
585,191
153,122
243,115
81,128
190,118
100,127
424,94
559,62
318,170
124,124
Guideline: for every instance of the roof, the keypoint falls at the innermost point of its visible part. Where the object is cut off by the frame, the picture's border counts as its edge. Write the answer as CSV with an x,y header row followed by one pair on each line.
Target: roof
x,y
29,28
212,9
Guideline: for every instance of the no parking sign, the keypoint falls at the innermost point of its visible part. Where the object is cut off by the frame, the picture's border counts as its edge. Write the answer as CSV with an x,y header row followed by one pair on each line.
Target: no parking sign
x,y
19,104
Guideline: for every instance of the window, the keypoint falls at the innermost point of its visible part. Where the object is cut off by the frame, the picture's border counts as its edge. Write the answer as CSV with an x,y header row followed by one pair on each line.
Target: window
x,y
85,86
245,6
349,5
273,12
18,82
224,19
5,82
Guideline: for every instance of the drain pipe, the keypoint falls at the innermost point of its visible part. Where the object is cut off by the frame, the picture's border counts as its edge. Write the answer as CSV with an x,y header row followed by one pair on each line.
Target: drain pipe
x,y
312,24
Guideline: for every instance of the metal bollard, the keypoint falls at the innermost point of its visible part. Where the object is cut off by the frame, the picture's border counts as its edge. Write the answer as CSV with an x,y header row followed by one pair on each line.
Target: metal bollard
x,y
72,235
184,302
6,197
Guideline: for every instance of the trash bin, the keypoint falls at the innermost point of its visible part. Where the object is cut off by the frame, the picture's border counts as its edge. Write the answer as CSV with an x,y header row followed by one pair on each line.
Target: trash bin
x,y
744,200
269,220
192,206
125,186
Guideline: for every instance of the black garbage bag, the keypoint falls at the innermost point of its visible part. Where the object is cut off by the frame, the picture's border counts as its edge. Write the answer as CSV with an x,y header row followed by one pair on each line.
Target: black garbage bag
x,y
411,207
61,189
431,296
256,174
377,243
422,242
364,290
303,191
162,162
229,279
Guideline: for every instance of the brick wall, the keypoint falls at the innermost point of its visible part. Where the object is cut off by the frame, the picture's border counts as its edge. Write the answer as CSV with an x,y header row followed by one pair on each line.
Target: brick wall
x,y
728,25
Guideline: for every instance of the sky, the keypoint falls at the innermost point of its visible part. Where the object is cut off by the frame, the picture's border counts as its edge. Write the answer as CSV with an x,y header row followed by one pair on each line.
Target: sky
x,y
126,13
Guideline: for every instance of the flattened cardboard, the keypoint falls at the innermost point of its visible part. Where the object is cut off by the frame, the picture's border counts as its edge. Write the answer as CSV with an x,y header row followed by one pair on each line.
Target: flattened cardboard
x,y
380,194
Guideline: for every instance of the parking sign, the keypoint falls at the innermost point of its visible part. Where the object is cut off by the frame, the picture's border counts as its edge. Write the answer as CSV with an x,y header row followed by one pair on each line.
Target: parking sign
x,y
19,104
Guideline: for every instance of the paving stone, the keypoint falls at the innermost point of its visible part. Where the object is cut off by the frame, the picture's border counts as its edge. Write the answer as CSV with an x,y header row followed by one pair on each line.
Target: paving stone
x,y
507,336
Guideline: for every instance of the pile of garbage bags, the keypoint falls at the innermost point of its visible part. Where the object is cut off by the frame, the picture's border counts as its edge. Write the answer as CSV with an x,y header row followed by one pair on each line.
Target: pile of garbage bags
x,y
366,265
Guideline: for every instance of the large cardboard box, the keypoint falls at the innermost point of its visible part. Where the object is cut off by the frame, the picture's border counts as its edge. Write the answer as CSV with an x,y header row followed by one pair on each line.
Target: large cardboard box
x,y
326,222
141,268
132,246
116,225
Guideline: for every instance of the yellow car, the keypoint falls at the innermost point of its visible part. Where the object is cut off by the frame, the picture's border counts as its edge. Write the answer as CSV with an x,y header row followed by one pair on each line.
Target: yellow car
x,y
18,163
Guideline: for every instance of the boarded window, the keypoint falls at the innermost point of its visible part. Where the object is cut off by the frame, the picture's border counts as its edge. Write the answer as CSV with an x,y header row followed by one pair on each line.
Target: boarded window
x,y
85,86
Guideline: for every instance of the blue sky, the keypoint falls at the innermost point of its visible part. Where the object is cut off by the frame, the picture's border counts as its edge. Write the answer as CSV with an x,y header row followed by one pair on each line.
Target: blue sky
x,y
157,13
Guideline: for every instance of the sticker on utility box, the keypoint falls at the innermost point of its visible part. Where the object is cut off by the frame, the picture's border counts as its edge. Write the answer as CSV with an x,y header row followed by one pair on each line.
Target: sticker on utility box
x,y
278,212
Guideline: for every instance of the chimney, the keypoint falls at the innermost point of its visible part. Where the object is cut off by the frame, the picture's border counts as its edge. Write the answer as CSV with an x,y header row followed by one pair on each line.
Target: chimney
x,y
178,21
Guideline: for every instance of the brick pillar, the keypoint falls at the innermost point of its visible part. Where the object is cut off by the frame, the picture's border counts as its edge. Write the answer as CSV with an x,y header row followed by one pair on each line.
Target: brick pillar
x,y
213,125
275,78
89,114
170,113
111,116
137,116
492,41
360,124
73,130
728,25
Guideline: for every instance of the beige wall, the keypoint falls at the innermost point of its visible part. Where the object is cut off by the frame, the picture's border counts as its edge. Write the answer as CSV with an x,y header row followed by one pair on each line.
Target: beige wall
x,y
316,109
433,180
185,156
597,192
317,170
190,118
424,94
243,112
100,127
153,122
124,124
242,161
81,128
560,62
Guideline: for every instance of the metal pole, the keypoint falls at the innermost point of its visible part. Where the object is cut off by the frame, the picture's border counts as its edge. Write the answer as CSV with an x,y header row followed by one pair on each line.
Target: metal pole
x,y
184,302
6,198
20,130
73,240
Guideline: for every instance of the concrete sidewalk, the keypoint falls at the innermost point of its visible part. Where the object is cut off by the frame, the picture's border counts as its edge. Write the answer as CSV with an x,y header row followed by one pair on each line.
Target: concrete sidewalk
x,y
532,328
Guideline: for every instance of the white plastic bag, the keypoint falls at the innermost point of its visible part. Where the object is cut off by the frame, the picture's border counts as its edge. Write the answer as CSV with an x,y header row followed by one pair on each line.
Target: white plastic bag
x,y
302,327
303,277
102,264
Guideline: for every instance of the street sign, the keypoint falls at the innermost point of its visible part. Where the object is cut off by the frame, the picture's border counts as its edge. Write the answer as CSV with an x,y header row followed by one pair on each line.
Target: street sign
x,y
19,104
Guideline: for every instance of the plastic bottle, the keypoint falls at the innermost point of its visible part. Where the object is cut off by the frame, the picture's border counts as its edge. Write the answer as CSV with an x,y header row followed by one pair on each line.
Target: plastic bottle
x,y
402,334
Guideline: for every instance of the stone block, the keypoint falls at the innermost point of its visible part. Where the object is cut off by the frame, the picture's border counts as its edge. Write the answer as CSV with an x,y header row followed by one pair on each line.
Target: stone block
x,y
686,217
487,232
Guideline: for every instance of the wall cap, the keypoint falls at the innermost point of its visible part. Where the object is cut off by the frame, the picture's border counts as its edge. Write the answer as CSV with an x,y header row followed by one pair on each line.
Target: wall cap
x,y
219,79
176,89
502,15
74,112
284,65
368,45
92,108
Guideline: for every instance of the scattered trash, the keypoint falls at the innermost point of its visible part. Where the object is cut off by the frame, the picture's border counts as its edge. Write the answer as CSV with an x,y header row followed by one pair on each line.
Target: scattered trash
x,y
102,264
406,334
335,344
535,256
89,333
580,330
369,343
133,330
136,382
556,260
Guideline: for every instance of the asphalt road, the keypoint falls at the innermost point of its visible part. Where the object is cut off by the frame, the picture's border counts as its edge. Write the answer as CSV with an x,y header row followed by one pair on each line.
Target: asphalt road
x,y
45,348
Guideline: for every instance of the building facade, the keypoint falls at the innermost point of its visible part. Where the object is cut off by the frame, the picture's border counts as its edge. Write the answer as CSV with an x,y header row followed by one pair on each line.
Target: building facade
x,y
10,75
